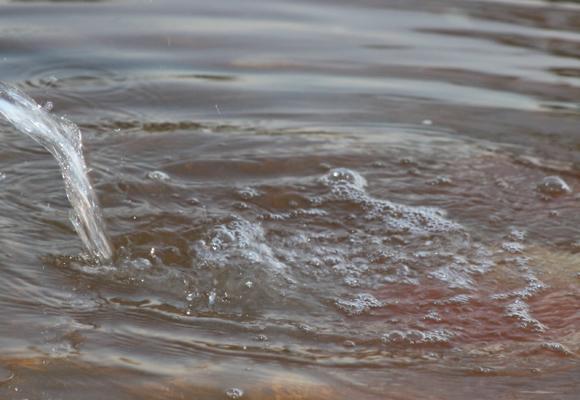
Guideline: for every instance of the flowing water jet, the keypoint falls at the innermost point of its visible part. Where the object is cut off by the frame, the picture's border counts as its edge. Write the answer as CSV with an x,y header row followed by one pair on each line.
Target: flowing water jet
x,y
62,139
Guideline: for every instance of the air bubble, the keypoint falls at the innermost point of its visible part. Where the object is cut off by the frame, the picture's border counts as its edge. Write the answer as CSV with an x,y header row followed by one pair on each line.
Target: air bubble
x,y
520,311
361,304
351,281
262,338
344,176
211,297
433,316
234,393
513,247
441,180
248,193
48,106
553,186
516,235
557,348
158,176
414,337
457,299
140,263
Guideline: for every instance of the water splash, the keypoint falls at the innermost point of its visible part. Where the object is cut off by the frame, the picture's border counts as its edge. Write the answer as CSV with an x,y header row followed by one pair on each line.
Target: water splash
x,y
62,139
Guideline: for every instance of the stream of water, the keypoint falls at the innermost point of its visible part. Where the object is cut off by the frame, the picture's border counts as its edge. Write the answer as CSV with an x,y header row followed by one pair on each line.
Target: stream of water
x,y
63,140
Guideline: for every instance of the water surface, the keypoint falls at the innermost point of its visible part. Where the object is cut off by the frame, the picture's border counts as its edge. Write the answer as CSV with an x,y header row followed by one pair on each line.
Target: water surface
x,y
313,199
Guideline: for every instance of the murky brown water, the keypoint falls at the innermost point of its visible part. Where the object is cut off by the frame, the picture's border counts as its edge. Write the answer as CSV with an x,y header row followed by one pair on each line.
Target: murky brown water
x,y
308,200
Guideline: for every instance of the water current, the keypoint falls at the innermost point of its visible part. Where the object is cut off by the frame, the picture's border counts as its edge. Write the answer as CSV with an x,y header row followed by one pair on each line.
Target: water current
x,y
63,140
306,200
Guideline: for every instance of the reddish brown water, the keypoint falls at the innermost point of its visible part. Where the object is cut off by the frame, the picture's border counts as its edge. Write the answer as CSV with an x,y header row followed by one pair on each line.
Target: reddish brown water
x,y
307,200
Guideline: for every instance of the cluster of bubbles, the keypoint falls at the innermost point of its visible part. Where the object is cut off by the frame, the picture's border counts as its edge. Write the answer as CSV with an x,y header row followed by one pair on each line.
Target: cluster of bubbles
x,y
330,242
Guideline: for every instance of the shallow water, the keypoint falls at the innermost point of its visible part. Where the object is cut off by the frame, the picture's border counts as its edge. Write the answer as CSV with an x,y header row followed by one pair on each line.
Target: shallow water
x,y
306,200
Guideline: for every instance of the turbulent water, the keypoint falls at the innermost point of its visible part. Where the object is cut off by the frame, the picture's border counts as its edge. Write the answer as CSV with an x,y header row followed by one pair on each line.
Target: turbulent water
x,y
307,200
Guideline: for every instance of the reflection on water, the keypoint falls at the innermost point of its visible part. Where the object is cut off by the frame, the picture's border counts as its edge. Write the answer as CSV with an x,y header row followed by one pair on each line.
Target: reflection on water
x,y
309,200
